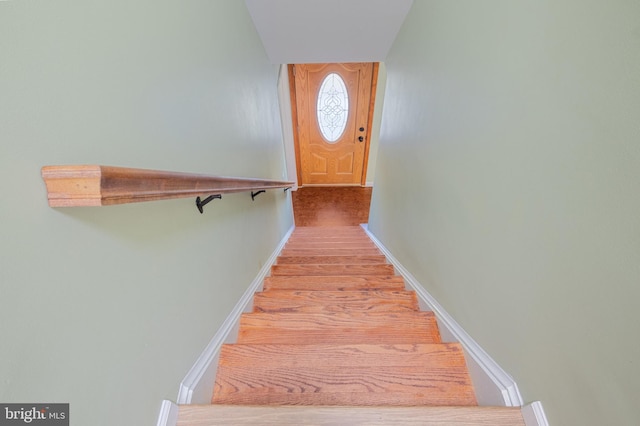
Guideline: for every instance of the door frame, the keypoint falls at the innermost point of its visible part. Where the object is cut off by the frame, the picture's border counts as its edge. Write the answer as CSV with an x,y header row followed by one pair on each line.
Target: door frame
x,y
294,118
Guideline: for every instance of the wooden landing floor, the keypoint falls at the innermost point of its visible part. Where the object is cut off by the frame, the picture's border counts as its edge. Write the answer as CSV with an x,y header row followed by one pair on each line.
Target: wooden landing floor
x,y
331,206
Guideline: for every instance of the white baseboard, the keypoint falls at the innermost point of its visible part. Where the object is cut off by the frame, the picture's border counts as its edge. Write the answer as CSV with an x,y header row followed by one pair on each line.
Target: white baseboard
x,y
197,385
492,384
168,414
533,415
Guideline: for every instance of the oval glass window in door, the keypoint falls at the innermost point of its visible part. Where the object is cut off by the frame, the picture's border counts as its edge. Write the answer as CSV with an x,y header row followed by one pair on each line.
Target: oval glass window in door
x,y
333,107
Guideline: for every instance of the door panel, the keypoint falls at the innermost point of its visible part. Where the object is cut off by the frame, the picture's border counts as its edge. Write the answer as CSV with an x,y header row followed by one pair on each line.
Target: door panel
x,y
318,165
324,161
345,164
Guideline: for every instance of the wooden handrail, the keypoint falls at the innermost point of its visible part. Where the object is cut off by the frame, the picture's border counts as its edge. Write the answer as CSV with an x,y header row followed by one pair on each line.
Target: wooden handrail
x,y
91,185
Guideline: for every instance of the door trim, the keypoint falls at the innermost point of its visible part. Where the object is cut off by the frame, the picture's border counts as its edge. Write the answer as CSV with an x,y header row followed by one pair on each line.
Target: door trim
x,y
372,104
294,118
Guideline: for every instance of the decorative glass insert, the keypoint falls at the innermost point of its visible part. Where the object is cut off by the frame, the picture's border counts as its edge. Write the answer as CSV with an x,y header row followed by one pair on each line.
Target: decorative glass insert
x,y
333,107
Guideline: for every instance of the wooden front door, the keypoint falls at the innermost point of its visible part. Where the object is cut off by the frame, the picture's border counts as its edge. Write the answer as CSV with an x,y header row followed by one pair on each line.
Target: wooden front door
x,y
334,104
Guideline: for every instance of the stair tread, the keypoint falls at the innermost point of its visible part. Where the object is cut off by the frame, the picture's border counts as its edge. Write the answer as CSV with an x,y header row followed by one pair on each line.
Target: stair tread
x,y
336,282
329,232
295,320
339,327
434,355
333,269
329,385
329,238
327,228
328,260
330,252
244,415
329,244
334,301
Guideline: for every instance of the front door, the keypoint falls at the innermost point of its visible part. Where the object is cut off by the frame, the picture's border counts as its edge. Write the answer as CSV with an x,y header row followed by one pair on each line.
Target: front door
x,y
334,107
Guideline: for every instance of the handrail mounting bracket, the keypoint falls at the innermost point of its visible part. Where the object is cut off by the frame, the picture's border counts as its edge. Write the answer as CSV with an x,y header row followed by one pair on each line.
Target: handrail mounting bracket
x,y
201,203
255,194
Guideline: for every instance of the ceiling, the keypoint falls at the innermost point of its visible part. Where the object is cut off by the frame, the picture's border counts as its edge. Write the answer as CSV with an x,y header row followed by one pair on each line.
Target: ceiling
x,y
311,31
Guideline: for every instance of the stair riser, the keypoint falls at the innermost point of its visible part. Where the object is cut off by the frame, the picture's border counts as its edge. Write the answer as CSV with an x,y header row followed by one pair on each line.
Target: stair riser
x,y
330,246
425,356
329,231
337,307
330,252
380,335
327,260
382,269
302,328
356,319
332,283
351,387
332,239
339,301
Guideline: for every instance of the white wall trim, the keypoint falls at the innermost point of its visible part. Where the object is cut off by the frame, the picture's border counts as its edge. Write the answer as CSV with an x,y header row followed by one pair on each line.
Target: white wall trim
x,y
168,414
197,385
492,384
533,415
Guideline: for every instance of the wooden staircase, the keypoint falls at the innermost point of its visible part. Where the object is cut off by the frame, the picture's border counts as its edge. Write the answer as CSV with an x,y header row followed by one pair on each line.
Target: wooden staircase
x,y
332,332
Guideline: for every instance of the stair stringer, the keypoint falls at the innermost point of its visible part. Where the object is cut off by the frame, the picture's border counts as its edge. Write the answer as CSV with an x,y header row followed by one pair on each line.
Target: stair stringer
x,y
493,386
197,385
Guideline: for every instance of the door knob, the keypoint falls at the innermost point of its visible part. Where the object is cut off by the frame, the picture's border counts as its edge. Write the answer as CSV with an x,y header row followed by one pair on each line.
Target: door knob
x,y
361,138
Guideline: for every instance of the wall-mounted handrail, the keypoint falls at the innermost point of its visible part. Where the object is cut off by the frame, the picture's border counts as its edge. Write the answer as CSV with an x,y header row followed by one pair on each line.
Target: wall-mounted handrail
x,y
92,185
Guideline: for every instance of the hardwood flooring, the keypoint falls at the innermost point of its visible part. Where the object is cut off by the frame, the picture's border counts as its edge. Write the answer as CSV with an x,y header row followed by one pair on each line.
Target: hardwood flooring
x,y
331,206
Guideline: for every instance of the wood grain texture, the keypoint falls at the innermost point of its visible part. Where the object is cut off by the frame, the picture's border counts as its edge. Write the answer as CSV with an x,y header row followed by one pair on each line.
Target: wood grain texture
x,y
330,207
357,245
329,252
328,229
93,185
326,260
324,231
336,282
441,355
310,269
328,239
331,385
223,415
344,374
334,301
339,327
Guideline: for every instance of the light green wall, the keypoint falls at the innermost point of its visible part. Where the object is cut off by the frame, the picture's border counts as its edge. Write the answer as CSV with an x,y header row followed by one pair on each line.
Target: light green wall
x,y
508,183
108,308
